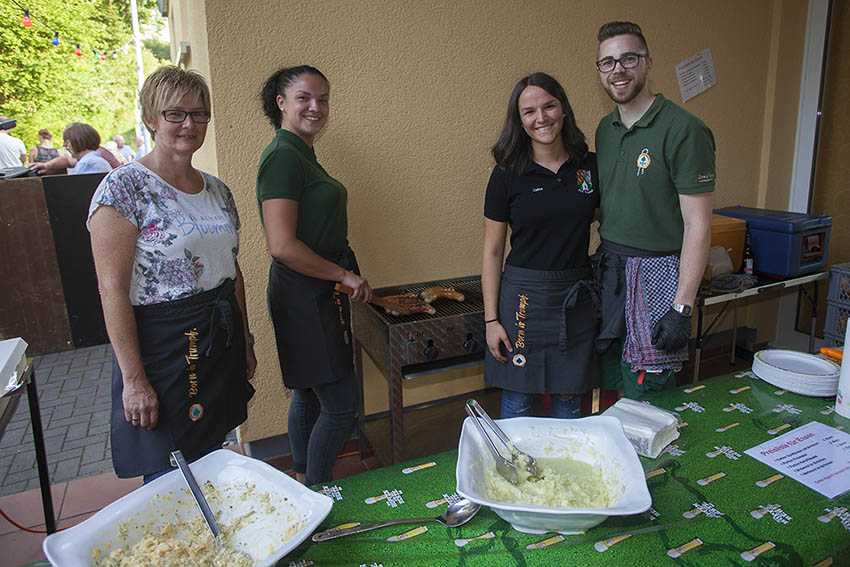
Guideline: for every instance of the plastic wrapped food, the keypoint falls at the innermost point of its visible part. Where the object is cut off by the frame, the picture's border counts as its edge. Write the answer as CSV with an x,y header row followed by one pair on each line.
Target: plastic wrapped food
x,y
648,428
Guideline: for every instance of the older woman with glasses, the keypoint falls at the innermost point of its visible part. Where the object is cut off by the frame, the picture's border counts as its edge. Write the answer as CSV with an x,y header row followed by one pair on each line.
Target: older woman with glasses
x,y
165,242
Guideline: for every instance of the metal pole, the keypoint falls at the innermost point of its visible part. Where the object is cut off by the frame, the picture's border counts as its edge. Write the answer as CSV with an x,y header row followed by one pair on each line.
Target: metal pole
x,y
40,454
141,131
698,349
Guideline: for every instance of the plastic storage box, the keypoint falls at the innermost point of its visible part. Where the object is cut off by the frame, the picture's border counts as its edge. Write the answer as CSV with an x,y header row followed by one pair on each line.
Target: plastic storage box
x,y
836,319
839,283
833,340
785,244
838,305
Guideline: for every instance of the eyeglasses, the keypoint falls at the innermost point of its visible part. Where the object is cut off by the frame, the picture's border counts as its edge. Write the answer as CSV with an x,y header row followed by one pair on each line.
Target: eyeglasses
x,y
178,116
626,61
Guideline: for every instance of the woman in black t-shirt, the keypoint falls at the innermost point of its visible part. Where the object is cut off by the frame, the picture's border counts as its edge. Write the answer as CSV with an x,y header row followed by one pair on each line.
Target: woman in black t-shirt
x,y
540,311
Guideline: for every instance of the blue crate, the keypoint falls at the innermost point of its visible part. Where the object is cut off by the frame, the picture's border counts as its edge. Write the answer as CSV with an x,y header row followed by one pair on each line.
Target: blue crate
x,y
785,244
836,319
839,284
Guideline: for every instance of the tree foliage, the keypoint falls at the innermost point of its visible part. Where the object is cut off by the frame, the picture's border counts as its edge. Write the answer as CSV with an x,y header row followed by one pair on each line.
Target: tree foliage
x,y
47,86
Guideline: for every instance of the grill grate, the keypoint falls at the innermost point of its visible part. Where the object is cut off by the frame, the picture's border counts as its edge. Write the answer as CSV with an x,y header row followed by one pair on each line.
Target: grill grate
x,y
470,286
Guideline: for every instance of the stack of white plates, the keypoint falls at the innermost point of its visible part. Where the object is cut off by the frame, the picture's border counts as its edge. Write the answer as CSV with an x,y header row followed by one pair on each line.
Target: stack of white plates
x,y
797,372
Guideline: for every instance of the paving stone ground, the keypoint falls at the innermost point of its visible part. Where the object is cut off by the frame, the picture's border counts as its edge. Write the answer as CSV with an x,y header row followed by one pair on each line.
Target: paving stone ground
x,y
74,398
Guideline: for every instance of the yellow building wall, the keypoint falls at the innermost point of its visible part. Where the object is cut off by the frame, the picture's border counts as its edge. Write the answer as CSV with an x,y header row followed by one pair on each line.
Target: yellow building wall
x,y
187,20
418,95
832,189
779,127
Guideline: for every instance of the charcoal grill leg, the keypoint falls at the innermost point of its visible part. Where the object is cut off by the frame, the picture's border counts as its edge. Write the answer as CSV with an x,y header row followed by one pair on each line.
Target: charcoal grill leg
x,y
396,395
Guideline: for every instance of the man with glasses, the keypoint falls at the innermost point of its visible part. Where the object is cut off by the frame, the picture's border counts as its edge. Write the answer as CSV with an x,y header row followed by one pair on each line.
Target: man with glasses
x,y
656,168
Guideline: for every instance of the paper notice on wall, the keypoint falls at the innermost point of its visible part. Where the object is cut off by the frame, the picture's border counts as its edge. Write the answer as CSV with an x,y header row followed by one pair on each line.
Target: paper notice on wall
x,y
696,74
815,454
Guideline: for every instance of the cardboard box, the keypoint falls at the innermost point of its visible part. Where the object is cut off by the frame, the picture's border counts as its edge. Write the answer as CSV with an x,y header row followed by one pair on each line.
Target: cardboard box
x,y
731,234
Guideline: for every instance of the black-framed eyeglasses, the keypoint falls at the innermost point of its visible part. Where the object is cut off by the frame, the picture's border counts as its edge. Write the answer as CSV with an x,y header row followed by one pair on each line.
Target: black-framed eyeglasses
x,y
626,61
178,116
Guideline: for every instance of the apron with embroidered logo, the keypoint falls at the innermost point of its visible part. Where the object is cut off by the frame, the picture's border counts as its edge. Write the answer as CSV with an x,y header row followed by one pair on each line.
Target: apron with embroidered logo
x,y
551,320
194,352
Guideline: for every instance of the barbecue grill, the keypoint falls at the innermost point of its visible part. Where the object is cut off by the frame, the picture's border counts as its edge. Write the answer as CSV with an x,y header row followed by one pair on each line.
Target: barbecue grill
x,y
403,345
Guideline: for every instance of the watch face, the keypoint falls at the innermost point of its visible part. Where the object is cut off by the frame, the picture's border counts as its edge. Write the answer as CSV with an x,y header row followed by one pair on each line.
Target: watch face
x,y
683,309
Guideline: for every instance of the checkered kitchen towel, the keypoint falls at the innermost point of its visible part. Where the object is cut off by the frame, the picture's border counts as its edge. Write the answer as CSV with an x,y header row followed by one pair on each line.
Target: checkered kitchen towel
x,y
650,289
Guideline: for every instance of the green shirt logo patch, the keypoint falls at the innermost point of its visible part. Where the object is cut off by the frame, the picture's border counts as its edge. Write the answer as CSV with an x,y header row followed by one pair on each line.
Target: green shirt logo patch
x,y
643,161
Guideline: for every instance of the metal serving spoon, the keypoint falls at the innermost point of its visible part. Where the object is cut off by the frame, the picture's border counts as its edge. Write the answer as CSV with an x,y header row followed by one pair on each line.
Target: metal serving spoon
x,y
455,515
179,461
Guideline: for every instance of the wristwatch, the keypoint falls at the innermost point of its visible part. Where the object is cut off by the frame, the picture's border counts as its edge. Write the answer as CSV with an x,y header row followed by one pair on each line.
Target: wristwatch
x,y
682,309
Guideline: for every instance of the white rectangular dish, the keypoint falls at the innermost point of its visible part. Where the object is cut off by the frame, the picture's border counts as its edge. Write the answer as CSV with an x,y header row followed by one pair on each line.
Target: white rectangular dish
x,y
597,440
279,512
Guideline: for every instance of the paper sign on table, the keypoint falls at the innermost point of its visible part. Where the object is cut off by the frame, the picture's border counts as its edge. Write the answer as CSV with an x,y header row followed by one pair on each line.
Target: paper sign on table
x,y
816,455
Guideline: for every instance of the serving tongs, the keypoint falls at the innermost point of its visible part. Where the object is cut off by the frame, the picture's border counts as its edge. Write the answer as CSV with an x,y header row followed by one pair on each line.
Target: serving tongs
x,y
179,461
509,468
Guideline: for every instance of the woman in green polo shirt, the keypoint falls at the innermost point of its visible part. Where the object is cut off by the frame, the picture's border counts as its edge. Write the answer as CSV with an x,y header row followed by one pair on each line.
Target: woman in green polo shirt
x,y
303,210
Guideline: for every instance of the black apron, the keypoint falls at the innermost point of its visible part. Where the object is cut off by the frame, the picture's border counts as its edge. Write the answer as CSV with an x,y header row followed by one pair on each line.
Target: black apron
x,y
312,325
609,266
551,320
193,351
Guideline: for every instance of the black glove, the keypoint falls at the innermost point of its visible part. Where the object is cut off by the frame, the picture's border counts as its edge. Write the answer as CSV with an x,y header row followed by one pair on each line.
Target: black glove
x,y
671,332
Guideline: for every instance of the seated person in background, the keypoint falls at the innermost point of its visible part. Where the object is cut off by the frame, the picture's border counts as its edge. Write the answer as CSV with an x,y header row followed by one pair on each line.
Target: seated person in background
x,y
113,149
13,152
125,151
58,165
44,150
141,148
83,141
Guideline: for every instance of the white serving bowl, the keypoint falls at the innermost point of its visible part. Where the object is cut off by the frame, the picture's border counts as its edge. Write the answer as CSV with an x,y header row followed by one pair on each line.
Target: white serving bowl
x,y
294,509
597,440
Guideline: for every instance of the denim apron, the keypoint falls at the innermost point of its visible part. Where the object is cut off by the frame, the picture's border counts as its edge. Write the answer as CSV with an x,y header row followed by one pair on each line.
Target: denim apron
x,y
193,351
312,325
551,320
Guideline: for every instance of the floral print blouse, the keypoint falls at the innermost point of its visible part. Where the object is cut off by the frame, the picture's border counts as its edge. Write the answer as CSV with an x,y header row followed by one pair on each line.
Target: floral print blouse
x,y
187,243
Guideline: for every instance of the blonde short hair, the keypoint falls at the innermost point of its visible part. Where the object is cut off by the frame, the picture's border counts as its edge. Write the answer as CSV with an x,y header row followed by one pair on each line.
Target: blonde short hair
x,y
165,87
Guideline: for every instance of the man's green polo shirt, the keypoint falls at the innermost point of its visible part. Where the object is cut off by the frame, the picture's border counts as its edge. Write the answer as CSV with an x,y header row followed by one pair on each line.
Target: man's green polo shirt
x,y
289,170
643,169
